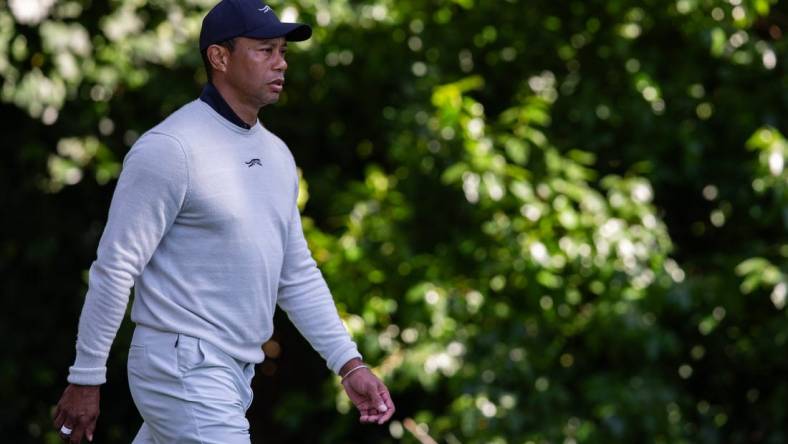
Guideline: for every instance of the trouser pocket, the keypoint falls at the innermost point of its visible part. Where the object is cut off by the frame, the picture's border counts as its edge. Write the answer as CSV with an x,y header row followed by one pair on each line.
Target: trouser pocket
x,y
189,353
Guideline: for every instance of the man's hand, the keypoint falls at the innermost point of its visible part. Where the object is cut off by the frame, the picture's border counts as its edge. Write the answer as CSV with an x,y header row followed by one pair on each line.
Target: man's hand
x,y
78,410
368,393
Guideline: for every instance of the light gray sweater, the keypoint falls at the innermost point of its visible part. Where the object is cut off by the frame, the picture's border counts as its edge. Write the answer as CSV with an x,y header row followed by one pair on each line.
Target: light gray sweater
x,y
204,225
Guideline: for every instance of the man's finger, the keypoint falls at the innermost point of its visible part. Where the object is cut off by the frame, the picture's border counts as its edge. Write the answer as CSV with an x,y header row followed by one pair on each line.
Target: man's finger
x,y
69,422
59,420
90,429
389,413
387,399
376,401
79,431
386,416
369,415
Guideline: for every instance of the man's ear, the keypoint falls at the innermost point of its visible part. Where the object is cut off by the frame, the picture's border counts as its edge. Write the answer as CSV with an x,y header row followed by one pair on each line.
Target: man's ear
x,y
218,57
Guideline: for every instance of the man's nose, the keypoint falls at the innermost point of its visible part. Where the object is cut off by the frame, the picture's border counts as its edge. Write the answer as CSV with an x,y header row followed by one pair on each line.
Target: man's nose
x,y
280,64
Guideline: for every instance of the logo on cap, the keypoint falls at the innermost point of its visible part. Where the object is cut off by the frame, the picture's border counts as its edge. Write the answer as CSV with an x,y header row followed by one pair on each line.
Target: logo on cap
x,y
265,8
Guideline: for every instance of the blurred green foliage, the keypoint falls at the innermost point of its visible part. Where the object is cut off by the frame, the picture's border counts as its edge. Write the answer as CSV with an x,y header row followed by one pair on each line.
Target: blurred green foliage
x,y
542,221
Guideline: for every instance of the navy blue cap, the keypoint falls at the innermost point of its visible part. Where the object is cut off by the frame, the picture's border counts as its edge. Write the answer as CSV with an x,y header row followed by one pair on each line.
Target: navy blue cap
x,y
247,18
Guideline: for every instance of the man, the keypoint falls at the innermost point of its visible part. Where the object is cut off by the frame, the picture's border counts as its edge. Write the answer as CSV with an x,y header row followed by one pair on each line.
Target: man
x,y
204,225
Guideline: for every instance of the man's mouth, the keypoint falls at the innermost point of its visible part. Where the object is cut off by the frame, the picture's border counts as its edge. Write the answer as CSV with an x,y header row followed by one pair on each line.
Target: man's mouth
x,y
276,84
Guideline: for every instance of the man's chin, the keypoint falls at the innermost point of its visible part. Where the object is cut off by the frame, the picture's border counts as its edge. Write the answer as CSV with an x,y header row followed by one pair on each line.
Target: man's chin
x,y
270,99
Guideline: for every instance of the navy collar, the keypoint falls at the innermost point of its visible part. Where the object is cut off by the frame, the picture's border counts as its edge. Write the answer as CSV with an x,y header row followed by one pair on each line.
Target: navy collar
x,y
214,99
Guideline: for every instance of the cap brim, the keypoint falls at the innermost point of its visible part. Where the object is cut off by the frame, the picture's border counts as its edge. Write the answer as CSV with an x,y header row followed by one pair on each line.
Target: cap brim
x,y
293,32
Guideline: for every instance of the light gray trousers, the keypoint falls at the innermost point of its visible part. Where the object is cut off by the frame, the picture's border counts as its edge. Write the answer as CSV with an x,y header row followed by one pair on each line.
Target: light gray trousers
x,y
187,390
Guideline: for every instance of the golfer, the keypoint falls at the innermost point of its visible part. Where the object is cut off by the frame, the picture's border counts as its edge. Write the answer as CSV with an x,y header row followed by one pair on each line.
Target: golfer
x,y
204,225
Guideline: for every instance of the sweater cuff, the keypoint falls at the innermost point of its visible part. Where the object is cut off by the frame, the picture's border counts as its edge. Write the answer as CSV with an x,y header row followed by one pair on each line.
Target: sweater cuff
x,y
88,370
341,359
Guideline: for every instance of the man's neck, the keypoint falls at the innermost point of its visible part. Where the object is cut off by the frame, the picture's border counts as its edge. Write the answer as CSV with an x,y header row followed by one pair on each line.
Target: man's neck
x,y
213,98
247,113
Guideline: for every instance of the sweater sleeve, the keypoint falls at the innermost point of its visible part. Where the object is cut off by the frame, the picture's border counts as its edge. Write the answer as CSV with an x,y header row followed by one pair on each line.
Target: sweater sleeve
x,y
306,299
150,192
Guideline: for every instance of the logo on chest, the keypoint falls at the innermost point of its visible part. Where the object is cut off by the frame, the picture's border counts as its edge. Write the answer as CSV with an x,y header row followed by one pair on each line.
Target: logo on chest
x,y
253,162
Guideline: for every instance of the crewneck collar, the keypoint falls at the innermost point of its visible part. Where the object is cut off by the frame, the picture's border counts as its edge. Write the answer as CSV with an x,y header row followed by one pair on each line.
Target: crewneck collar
x,y
214,99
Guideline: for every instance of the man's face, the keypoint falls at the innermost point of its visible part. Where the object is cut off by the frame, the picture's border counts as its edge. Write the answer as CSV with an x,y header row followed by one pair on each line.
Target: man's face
x,y
256,69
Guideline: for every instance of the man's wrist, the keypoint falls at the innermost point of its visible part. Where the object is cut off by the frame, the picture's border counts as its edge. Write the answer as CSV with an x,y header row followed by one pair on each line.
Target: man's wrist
x,y
349,365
